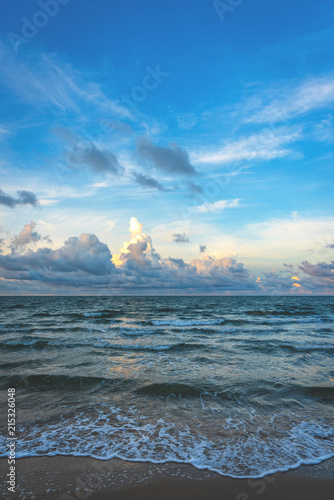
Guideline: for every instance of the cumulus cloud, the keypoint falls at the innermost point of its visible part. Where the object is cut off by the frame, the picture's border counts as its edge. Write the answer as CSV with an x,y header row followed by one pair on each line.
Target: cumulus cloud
x,y
217,206
26,236
147,182
85,264
141,267
23,198
81,260
306,278
320,269
139,251
181,238
172,159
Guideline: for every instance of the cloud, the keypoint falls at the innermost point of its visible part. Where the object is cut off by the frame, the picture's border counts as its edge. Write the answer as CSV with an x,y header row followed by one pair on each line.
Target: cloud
x,y
312,279
172,159
3,132
23,198
148,182
304,98
181,238
101,161
145,269
202,248
320,269
27,235
44,81
88,152
265,145
81,260
217,206
85,265
135,227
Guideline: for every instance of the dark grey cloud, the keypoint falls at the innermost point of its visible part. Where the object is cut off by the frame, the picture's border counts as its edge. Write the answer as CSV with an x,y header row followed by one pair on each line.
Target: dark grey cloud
x,y
81,260
86,151
319,270
172,159
202,248
181,238
101,161
147,181
23,198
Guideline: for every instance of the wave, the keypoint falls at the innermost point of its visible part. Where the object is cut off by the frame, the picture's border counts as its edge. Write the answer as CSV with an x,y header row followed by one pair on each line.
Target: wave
x,y
181,322
54,382
165,309
308,346
227,451
103,344
296,312
96,315
170,389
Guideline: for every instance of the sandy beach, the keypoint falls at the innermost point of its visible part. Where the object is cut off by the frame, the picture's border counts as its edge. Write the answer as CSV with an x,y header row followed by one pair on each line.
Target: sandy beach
x,y
65,478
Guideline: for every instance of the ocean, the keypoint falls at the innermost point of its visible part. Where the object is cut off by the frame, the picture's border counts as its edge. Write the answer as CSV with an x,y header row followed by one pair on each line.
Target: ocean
x,y
242,386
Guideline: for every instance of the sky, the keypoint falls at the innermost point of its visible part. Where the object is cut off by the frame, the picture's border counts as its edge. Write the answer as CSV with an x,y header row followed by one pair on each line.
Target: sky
x,y
181,147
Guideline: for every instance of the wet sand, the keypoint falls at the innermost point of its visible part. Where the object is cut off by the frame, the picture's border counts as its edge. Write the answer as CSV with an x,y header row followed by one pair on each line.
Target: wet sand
x,y
65,478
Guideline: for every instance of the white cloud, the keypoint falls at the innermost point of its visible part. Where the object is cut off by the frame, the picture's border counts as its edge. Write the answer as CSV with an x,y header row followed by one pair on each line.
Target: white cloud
x,y
313,94
46,81
46,203
265,145
217,206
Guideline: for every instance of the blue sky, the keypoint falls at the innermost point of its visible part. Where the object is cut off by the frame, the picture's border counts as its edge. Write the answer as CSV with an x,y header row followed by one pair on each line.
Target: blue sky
x,y
210,123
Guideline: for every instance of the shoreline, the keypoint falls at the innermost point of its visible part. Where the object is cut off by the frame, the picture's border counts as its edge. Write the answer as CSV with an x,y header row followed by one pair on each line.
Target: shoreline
x,y
72,477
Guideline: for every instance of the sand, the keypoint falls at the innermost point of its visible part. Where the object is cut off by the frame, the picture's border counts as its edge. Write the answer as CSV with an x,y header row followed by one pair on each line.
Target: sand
x,y
68,478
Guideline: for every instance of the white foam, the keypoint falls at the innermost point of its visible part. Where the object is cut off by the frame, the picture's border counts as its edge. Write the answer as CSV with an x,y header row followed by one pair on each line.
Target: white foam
x,y
181,322
240,451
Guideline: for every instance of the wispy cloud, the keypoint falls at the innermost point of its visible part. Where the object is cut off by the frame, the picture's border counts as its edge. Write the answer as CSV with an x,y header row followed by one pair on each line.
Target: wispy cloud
x,y
44,80
217,206
265,145
308,96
